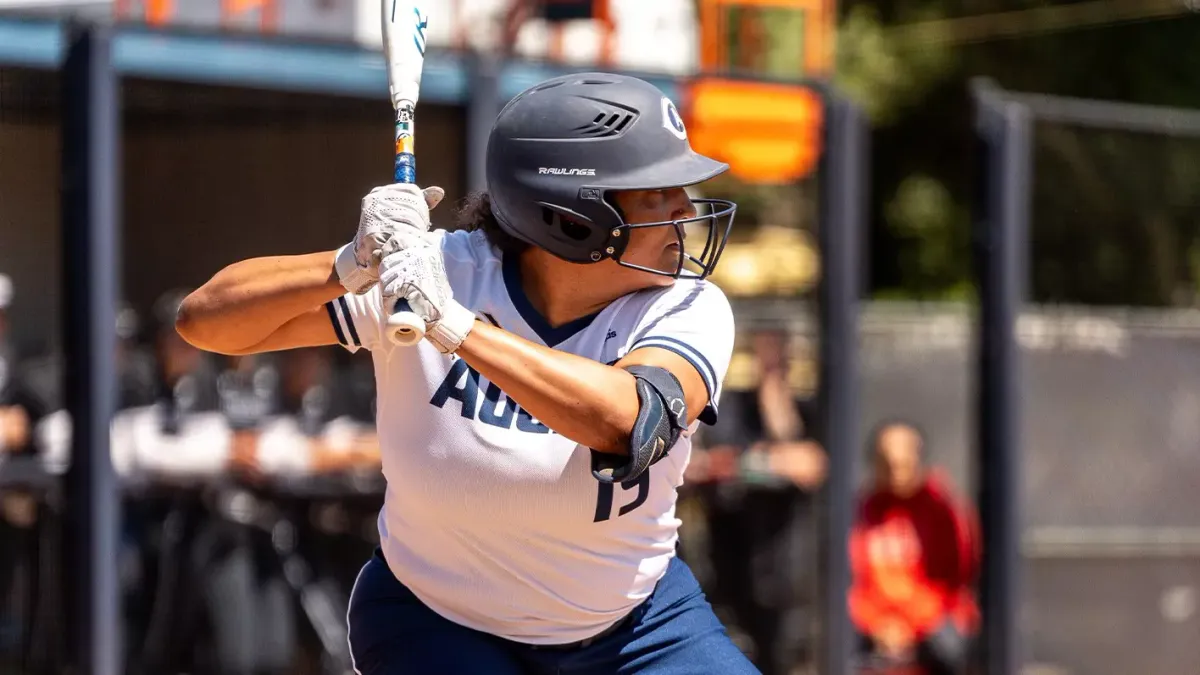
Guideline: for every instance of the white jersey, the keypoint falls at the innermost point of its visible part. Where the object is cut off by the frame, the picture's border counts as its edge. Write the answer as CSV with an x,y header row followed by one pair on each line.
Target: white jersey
x,y
491,519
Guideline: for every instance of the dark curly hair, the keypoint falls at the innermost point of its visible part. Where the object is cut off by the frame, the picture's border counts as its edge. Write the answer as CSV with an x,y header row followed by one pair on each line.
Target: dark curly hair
x,y
475,213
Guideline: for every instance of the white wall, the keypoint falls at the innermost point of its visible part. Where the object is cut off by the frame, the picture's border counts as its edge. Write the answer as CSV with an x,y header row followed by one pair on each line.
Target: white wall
x,y
652,35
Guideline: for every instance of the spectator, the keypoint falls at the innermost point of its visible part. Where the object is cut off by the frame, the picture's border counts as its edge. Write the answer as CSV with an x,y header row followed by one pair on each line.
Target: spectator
x,y
136,365
914,556
764,470
319,427
15,423
15,509
34,423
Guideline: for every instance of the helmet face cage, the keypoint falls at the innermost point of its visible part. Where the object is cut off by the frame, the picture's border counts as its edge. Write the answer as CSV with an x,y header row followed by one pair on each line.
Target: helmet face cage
x,y
717,217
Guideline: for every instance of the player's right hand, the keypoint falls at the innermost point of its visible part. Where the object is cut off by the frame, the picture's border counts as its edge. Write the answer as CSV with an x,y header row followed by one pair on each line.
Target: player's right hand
x,y
393,217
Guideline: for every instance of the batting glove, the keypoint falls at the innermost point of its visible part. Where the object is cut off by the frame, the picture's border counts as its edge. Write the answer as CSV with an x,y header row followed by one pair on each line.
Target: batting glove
x,y
393,217
415,280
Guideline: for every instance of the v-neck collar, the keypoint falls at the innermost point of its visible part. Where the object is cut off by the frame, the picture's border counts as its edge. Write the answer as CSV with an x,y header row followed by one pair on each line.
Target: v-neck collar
x,y
551,335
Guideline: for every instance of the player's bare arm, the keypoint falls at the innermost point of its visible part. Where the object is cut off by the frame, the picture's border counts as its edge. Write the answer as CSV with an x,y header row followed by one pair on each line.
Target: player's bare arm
x,y
263,304
276,303
584,400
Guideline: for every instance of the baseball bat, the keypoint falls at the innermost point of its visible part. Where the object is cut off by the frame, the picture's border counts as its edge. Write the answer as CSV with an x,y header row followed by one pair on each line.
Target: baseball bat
x,y
404,24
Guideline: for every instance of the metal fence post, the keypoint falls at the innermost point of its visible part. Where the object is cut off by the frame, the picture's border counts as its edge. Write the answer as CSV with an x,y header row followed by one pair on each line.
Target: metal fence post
x,y
482,107
840,233
1001,241
90,268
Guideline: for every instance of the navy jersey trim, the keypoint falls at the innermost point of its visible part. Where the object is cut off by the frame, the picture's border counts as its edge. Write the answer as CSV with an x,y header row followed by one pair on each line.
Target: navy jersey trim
x,y
337,325
551,335
349,321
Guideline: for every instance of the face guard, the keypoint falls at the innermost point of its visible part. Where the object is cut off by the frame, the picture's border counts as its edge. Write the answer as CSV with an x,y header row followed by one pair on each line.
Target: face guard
x,y
699,240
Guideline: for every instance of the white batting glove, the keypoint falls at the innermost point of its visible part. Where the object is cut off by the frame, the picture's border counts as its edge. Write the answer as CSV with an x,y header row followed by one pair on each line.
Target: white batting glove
x,y
417,276
392,218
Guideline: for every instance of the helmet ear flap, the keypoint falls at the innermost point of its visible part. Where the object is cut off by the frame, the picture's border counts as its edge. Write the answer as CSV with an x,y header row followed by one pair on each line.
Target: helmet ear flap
x,y
565,223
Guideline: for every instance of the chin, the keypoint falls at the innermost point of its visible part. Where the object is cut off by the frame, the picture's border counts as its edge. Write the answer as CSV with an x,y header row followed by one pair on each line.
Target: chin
x,y
640,281
659,281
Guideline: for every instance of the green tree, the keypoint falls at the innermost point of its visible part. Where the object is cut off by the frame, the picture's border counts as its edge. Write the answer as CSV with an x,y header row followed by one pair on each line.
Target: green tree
x,y
1114,214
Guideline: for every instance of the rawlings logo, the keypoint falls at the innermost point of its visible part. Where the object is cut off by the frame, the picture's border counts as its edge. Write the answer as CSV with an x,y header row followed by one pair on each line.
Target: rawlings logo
x,y
544,171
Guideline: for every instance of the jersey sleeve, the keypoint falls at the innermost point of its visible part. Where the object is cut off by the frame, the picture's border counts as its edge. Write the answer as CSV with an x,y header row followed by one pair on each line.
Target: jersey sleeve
x,y
357,319
695,322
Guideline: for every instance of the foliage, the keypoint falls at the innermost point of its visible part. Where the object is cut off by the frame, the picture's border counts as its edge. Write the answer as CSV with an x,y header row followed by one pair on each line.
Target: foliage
x,y
885,75
1114,215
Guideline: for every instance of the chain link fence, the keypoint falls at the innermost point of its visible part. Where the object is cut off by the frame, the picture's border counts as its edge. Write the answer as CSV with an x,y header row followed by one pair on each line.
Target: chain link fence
x,y
1110,464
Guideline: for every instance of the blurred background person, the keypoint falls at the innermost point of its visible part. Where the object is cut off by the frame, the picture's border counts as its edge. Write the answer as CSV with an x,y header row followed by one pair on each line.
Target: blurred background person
x,y
16,509
762,469
914,552
298,423
15,424
165,447
240,613
312,453
317,428
28,390
35,427
7,355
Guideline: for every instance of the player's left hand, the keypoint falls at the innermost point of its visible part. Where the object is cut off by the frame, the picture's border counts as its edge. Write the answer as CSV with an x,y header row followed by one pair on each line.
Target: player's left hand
x,y
417,276
393,217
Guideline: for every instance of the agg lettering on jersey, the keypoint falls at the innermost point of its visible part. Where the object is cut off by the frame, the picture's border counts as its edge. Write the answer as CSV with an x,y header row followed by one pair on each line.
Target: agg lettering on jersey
x,y
497,409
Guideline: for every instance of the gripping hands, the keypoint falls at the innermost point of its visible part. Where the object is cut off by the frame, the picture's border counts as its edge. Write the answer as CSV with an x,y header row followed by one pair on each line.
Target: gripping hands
x,y
414,280
393,218
392,248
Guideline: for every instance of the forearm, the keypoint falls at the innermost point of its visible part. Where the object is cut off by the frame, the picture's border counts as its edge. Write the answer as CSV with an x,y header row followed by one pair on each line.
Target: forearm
x,y
247,301
586,401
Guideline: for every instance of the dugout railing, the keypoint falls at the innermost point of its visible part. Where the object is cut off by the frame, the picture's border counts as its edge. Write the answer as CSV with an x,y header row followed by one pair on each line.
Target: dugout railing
x,y
1087,415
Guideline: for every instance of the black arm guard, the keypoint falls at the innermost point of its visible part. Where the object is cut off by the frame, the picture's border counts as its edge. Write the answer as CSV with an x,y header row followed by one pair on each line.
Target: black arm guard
x,y
661,418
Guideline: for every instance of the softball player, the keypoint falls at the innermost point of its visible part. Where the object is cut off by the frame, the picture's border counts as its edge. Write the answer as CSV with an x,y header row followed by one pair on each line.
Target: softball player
x,y
534,441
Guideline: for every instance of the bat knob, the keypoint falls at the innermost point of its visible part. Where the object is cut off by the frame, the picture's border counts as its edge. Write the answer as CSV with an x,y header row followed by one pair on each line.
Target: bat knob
x,y
405,329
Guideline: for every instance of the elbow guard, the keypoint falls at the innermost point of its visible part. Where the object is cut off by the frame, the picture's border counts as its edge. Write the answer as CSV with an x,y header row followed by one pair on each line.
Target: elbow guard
x,y
662,417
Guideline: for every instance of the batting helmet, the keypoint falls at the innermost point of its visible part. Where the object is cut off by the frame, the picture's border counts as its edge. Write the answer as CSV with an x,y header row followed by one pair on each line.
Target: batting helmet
x,y
559,149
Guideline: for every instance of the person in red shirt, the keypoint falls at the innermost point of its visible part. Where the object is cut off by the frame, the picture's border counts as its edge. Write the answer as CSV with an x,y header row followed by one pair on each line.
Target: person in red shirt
x,y
914,553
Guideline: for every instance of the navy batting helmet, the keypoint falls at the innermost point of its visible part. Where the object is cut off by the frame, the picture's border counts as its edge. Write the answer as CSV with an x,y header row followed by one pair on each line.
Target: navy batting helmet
x,y
559,149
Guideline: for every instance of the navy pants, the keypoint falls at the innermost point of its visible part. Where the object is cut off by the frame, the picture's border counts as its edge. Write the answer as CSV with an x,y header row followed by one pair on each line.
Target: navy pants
x,y
674,632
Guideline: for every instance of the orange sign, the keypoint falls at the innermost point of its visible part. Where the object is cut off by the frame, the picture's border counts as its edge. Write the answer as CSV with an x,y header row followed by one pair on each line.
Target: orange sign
x,y
766,132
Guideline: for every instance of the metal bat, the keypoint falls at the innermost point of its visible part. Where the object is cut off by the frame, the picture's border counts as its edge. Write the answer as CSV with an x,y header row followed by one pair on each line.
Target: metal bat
x,y
404,24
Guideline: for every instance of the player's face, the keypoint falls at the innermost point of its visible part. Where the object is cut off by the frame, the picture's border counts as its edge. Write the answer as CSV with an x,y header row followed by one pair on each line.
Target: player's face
x,y
657,248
